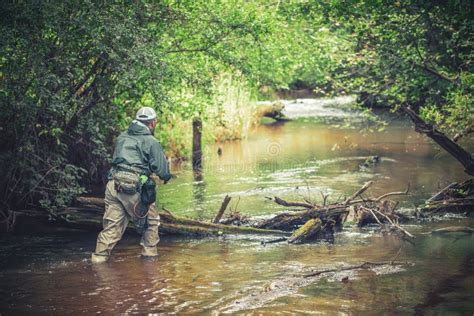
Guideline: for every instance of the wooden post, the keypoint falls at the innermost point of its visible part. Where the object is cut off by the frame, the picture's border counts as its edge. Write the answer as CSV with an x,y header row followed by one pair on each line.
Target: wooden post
x,y
222,209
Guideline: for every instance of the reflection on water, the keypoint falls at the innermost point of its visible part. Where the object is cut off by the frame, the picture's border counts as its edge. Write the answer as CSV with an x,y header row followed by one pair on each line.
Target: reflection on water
x,y
199,193
52,273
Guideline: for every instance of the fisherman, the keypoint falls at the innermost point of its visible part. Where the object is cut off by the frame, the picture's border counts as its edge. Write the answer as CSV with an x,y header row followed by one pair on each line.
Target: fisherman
x,y
130,193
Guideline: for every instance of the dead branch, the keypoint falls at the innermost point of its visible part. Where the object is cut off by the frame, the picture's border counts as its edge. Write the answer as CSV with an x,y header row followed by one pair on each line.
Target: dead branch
x,y
325,197
395,224
373,214
306,232
393,194
358,193
282,202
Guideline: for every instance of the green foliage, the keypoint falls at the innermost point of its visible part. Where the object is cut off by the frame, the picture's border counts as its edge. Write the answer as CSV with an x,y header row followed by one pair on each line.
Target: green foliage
x,y
416,53
72,74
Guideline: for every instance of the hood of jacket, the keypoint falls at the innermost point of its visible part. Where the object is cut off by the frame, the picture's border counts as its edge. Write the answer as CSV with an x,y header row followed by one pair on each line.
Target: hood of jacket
x,y
138,128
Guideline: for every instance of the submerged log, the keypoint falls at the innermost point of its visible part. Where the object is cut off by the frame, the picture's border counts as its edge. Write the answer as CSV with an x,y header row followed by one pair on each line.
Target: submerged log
x,y
365,265
453,229
287,284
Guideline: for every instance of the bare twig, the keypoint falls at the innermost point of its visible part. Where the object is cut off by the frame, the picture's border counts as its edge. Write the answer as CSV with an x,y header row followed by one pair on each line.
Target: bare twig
x,y
282,202
325,197
359,192
393,193
395,225
237,204
373,214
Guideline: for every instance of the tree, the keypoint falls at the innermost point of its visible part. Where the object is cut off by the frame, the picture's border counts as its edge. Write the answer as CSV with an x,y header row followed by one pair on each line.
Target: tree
x,y
416,54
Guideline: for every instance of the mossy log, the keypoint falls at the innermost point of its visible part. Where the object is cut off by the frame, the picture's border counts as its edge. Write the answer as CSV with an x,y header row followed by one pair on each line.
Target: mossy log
x,y
309,231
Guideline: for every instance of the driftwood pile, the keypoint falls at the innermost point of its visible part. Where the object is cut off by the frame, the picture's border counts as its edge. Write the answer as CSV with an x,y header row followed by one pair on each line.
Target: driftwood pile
x,y
455,198
321,221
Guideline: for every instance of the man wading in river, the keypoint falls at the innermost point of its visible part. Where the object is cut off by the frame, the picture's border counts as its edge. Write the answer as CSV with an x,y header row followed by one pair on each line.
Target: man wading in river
x,y
130,192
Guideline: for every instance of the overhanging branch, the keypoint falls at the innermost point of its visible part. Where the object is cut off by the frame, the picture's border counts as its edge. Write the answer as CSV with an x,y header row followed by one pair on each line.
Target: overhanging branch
x,y
459,153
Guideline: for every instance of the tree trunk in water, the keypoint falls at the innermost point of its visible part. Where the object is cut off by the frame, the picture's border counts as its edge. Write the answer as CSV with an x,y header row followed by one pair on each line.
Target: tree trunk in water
x,y
197,145
442,140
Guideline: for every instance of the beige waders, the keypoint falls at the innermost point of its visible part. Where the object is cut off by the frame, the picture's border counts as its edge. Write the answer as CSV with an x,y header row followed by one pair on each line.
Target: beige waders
x,y
119,210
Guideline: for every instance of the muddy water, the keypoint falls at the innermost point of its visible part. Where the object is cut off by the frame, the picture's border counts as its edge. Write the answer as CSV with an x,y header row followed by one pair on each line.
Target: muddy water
x,y
52,273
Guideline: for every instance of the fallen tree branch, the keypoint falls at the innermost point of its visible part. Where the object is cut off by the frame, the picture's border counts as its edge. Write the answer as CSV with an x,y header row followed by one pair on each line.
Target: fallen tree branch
x,y
373,214
442,194
404,231
359,192
459,153
393,194
282,202
306,232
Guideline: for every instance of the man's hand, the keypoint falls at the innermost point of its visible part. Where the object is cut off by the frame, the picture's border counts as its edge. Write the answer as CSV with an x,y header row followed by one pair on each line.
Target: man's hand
x,y
155,179
158,180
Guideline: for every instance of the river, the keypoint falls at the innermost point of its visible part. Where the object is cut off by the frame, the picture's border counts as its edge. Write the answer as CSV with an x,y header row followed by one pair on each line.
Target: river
x,y
320,150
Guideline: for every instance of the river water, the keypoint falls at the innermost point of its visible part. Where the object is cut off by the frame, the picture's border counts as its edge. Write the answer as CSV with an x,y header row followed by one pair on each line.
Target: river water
x,y
320,150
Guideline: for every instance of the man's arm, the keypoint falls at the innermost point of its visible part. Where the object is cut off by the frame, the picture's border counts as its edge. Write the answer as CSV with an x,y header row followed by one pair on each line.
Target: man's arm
x,y
158,163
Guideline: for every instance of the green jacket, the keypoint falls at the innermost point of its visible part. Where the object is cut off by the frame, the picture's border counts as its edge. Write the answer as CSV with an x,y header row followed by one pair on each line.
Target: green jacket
x,y
136,147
